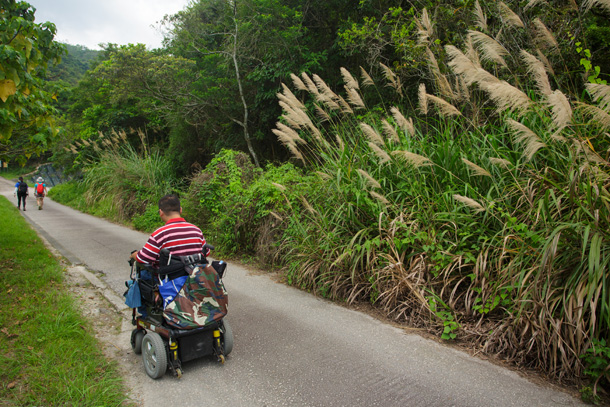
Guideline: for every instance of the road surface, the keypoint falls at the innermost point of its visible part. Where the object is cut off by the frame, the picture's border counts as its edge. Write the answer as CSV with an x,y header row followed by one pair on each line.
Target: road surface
x,y
291,348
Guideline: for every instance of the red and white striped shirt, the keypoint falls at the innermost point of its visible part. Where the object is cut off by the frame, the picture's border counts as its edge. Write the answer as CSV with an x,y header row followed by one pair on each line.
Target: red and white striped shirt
x,y
177,235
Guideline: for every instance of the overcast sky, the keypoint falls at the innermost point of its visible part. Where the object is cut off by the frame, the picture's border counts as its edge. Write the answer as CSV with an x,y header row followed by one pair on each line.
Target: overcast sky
x,y
90,22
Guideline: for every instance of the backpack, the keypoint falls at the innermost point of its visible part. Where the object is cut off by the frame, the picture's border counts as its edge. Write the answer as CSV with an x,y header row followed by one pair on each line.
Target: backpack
x,y
23,187
39,189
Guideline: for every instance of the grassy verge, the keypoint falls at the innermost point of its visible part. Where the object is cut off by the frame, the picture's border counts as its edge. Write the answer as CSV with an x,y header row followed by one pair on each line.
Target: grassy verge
x,y
48,356
13,173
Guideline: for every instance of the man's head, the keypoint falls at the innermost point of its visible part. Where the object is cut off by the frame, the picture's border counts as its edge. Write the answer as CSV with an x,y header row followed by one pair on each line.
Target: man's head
x,y
21,179
170,205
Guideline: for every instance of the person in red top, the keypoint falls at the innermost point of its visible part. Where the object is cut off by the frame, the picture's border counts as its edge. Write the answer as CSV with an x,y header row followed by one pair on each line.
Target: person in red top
x,y
177,235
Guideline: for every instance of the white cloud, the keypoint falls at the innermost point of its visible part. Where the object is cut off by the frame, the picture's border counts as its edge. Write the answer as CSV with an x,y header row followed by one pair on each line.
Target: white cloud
x,y
92,22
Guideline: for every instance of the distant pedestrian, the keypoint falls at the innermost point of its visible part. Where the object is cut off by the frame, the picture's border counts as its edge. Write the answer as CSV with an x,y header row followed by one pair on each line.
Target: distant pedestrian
x,y
21,191
41,190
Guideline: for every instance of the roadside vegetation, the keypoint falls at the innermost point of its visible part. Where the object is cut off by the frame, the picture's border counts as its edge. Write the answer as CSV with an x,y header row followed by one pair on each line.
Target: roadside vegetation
x,y
49,355
447,163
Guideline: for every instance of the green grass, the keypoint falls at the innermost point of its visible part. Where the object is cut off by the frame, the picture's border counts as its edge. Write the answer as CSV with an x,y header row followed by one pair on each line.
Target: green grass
x,y
48,355
14,172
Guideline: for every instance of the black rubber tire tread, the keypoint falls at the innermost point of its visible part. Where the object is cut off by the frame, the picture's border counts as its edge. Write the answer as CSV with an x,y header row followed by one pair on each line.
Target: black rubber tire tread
x,y
136,341
154,355
227,337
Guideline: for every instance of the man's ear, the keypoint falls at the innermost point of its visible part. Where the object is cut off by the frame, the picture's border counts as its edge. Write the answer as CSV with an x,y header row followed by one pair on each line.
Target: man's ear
x,y
181,209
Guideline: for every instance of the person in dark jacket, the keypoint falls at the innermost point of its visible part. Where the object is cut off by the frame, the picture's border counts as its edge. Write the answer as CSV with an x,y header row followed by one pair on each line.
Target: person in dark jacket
x,y
21,191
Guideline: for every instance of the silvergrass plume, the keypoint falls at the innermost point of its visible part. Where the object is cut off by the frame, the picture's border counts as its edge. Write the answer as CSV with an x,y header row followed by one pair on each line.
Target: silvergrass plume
x,y
298,83
424,28
325,94
324,175
290,133
538,71
311,87
423,102
307,206
546,62
290,98
532,3
445,108
477,170
292,115
556,136
372,182
354,98
380,198
321,113
441,80
284,138
345,107
599,116
340,142
601,95
604,4
469,202
528,137
480,19
328,101
406,125
389,75
500,162
489,49
366,78
414,159
279,186
389,131
506,96
471,53
509,16
349,80
295,152
371,134
276,216
380,153
561,109
324,88
544,37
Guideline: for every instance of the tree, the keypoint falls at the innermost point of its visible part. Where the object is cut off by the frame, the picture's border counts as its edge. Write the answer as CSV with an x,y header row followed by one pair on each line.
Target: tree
x,y
26,108
243,50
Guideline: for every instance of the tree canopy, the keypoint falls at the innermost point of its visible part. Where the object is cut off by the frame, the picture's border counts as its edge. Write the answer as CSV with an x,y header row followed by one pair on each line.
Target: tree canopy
x,y
26,108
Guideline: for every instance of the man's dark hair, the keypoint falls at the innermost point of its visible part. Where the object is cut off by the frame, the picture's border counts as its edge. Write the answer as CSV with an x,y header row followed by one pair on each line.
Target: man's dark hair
x,y
169,203
21,179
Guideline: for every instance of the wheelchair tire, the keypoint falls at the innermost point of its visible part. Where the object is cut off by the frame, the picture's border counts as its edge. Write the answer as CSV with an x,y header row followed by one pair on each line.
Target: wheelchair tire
x,y
136,340
227,337
154,355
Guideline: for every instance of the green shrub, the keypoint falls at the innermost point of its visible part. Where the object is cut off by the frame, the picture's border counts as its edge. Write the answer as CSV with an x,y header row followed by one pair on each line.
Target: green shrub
x,y
149,221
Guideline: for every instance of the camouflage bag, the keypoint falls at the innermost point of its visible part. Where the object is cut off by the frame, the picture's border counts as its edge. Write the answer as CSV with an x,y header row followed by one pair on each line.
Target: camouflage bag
x,y
201,301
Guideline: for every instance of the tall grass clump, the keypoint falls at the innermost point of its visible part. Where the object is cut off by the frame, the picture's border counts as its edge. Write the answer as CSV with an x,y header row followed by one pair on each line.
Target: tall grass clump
x,y
483,216
121,182
243,209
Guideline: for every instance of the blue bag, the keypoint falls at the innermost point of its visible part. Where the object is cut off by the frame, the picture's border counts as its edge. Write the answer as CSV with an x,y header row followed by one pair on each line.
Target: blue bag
x,y
132,296
169,289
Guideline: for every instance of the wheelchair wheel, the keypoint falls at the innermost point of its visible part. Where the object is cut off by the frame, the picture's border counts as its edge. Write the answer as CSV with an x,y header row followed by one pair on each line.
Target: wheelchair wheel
x,y
154,355
227,337
136,340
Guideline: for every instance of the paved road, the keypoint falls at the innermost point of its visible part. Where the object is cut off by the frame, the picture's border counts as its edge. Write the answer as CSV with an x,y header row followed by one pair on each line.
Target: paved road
x,y
291,348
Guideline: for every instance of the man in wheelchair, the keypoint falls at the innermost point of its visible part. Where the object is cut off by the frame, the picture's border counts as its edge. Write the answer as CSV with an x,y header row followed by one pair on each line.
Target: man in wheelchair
x,y
176,238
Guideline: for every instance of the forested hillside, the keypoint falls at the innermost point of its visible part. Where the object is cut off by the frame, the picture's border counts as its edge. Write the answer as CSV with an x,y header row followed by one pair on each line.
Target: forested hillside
x,y
446,162
73,65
